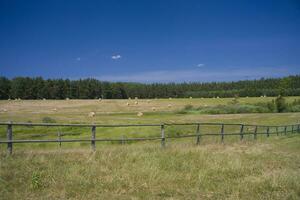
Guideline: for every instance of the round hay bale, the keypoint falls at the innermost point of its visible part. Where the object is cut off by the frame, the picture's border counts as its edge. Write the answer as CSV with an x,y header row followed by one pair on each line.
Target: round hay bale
x,y
169,105
191,97
67,99
100,99
136,102
139,114
218,97
54,109
170,98
92,114
44,99
153,108
127,103
9,99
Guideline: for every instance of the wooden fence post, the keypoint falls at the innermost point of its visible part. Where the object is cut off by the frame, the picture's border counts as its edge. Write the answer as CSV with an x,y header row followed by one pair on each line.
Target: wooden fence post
x,y
93,142
59,138
222,133
198,134
268,131
9,135
255,133
242,132
163,138
123,139
285,129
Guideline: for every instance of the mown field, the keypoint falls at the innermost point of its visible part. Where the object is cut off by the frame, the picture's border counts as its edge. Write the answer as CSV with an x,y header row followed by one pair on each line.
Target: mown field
x,y
117,111
266,168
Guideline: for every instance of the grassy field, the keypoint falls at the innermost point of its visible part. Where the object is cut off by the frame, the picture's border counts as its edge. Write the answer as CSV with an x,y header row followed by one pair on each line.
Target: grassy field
x,y
243,170
251,169
117,111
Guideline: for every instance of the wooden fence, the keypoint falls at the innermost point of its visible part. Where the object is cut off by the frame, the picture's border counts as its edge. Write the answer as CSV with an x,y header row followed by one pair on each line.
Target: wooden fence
x,y
282,129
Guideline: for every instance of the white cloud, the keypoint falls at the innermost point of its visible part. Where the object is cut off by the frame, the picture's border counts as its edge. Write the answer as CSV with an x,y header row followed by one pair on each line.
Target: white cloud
x,y
200,65
194,75
116,57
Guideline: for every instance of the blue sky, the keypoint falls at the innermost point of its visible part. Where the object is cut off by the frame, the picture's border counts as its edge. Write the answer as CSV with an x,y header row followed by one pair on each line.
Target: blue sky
x,y
149,40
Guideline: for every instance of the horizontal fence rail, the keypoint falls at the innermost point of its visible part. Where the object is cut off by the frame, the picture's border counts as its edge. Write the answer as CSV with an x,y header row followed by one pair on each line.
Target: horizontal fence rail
x,y
198,134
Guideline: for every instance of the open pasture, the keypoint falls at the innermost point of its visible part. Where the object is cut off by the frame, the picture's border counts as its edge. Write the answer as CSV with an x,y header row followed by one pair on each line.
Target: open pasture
x,y
266,168
118,111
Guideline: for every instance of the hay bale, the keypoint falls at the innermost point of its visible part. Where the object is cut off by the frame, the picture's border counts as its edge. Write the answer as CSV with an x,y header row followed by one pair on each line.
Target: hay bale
x,y
136,102
54,109
170,98
67,99
100,99
129,98
136,98
92,114
169,105
153,109
127,103
44,99
218,97
9,99
139,114
191,97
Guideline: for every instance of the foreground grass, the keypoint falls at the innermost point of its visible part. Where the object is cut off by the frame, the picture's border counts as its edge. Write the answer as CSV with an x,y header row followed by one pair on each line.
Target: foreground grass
x,y
268,169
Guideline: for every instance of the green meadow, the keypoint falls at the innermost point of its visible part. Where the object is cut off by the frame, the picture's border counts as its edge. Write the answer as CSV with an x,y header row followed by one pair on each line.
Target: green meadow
x,y
266,168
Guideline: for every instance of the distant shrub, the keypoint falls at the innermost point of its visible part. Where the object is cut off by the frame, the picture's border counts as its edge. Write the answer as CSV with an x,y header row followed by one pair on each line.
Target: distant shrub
x,y
188,107
271,106
182,112
295,102
233,109
295,108
48,120
280,103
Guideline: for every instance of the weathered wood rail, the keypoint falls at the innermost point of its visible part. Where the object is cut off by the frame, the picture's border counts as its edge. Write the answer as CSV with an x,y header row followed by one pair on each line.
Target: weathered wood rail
x,y
281,129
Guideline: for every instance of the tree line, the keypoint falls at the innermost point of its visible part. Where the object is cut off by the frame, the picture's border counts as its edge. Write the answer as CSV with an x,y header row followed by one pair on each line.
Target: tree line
x,y
39,88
